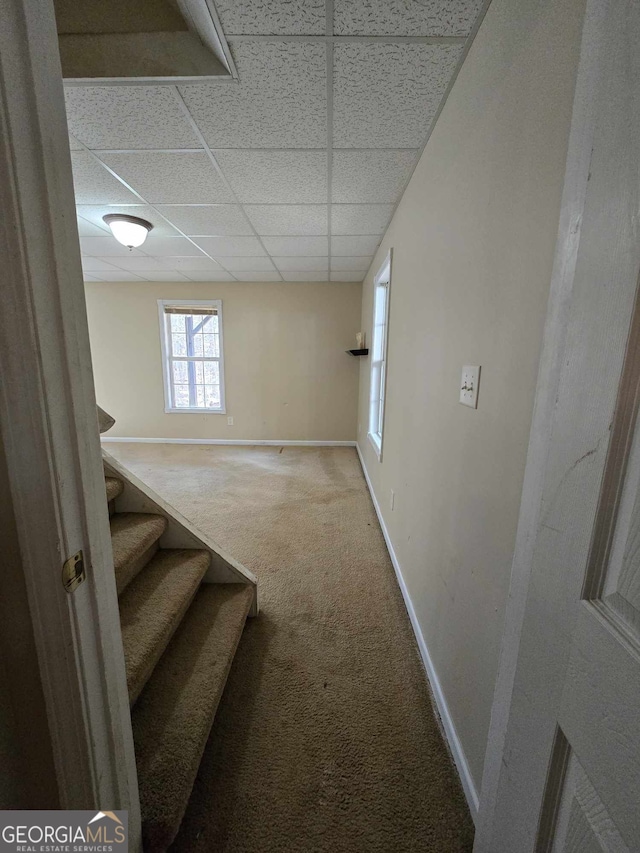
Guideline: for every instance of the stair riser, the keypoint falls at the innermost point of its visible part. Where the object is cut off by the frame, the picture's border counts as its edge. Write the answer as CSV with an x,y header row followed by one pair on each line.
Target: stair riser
x,y
131,570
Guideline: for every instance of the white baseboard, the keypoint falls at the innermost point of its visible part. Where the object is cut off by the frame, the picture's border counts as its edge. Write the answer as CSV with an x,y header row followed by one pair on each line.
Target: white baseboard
x,y
247,441
436,688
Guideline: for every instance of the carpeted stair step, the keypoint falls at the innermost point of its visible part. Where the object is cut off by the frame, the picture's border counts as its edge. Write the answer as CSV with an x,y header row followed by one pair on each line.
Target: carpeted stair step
x,y
175,711
152,607
134,538
114,487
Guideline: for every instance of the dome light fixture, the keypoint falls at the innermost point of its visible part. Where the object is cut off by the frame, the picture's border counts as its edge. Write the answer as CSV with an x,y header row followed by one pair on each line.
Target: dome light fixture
x,y
128,230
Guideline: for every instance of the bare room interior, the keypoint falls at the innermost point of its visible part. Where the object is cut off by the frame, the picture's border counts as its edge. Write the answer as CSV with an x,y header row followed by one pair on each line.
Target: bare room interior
x,y
346,559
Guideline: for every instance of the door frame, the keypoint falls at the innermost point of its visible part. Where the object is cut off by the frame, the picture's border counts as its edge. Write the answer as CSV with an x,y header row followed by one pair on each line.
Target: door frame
x,y
49,430
597,76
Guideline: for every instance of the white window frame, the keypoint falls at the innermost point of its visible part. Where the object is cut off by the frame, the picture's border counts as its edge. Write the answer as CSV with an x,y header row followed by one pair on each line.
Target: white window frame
x,y
378,386
166,353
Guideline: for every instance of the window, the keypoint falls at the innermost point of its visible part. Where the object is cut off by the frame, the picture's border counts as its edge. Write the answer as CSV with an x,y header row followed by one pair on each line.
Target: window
x,y
381,287
192,357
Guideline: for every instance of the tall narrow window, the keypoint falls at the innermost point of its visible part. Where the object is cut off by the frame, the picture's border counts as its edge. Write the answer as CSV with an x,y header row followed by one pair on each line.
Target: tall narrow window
x,y
381,288
191,335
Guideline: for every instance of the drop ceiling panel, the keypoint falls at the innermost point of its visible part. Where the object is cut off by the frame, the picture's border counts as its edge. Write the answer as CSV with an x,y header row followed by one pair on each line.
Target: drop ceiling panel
x,y
304,275
93,184
273,177
171,177
248,264
104,247
167,246
402,18
343,246
74,145
271,17
288,219
94,212
280,100
386,95
348,276
97,264
222,220
360,218
164,275
314,246
117,275
258,276
231,246
211,275
370,176
189,265
88,229
136,264
302,263
128,117
346,264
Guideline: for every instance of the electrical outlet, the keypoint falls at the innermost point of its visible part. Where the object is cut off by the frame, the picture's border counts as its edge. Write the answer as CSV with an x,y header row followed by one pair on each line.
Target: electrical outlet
x,y
392,500
230,421
469,385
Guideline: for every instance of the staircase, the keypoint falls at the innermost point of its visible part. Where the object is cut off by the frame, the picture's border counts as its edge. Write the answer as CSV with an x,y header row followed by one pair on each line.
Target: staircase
x,y
183,606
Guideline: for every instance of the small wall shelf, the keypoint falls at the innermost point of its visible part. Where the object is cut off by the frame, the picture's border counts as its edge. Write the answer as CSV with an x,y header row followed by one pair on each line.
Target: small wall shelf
x,y
357,351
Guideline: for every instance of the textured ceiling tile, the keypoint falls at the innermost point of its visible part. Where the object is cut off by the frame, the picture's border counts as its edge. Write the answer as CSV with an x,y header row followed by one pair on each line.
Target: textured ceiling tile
x,y
250,264
222,220
231,246
258,276
348,276
211,275
292,219
88,229
164,275
128,117
311,246
386,95
302,263
344,246
273,177
272,17
374,176
402,18
93,184
189,265
93,213
169,246
74,145
104,247
280,100
357,262
88,277
97,264
118,275
360,218
139,265
304,275
179,178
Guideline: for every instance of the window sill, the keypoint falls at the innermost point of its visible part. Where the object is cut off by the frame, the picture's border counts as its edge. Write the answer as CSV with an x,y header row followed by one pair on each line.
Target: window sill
x,y
195,411
377,445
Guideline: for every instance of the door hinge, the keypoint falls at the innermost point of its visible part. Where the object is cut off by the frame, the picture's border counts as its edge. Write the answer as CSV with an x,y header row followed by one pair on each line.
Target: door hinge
x,y
73,572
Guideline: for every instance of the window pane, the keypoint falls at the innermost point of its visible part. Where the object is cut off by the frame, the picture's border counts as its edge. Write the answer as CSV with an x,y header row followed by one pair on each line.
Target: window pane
x,y
214,324
198,348
207,323
180,372
212,345
179,344
199,372
177,322
212,396
200,396
181,396
211,373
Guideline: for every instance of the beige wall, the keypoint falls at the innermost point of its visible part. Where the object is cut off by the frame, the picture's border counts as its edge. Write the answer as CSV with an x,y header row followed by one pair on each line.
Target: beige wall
x,y
287,375
473,242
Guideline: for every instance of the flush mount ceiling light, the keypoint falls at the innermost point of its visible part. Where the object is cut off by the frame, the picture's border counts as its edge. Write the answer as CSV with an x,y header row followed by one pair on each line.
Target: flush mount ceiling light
x,y
128,230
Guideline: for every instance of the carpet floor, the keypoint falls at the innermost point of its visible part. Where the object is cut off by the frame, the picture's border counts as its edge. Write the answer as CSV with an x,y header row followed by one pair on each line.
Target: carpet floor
x,y
325,740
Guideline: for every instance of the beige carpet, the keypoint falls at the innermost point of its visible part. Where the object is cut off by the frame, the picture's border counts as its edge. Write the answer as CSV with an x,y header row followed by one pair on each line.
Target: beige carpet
x,y
325,739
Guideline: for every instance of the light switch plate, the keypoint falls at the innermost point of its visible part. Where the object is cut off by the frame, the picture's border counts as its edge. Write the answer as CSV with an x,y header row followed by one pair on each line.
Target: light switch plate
x,y
469,385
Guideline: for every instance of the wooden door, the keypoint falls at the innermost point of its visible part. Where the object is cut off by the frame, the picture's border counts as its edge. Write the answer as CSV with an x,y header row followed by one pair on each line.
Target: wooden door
x,y
562,771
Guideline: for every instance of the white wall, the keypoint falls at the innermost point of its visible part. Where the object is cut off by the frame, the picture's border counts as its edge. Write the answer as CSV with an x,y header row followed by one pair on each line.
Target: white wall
x,y
473,240
287,375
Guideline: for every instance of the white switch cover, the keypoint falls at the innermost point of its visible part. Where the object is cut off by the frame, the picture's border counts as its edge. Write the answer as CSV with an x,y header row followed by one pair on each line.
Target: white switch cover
x,y
469,385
